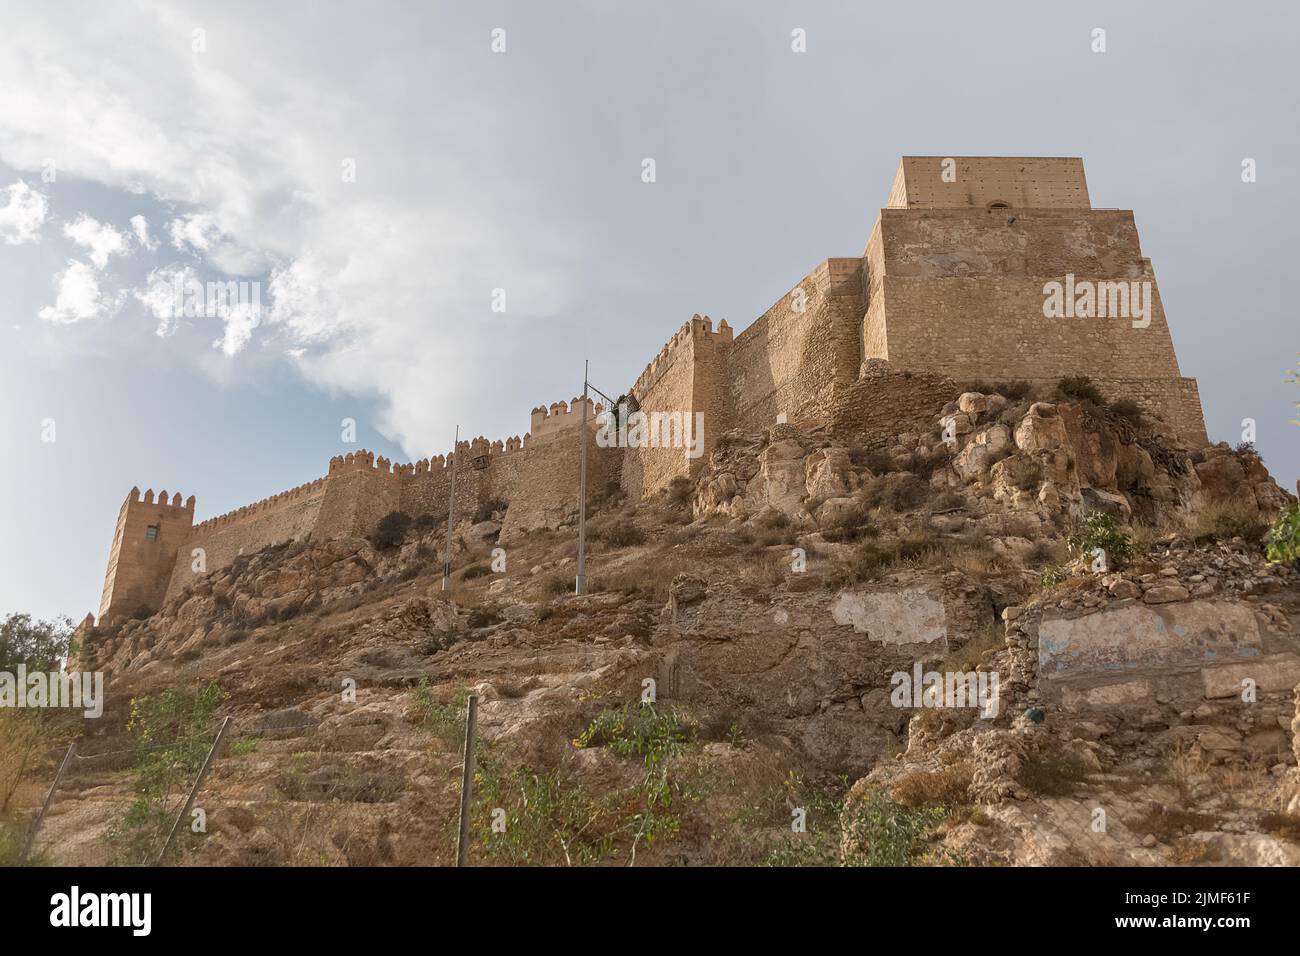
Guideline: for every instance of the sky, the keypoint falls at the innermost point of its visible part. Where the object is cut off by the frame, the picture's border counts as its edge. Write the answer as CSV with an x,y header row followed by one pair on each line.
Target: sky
x,y
438,232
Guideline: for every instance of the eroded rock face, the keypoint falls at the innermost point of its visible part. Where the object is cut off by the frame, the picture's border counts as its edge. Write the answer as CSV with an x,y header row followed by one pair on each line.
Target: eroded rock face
x,y
829,473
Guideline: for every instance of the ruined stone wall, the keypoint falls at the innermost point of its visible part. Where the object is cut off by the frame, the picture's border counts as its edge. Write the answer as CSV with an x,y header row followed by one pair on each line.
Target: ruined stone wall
x,y
886,401
791,362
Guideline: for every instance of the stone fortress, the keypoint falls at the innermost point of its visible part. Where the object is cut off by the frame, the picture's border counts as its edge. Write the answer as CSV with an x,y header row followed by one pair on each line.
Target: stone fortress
x,y
950,288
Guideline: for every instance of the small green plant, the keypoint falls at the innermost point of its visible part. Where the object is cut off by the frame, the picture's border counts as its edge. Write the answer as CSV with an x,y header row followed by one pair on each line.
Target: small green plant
x,y
643,731
241,748
1099,531
171,734
1053,575
880,832
443,720
1282,543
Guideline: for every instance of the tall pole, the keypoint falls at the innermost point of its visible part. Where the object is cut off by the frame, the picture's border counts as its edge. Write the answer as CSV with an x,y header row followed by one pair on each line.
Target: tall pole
x,y
580,586
451,511
466,783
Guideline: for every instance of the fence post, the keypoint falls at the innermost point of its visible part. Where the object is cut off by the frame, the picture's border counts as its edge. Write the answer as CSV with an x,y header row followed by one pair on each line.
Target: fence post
x,y
466,784
49,798
194,790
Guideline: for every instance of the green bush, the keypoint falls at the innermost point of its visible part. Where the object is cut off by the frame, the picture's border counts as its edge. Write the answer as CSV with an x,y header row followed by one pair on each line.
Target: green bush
x,y
881,832
1079,388
390,531
171,734
1282,543
1099,530
1127,409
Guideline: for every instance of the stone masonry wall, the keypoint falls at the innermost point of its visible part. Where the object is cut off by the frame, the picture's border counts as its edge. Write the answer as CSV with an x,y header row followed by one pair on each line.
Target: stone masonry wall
x,y
791,362
689,375
286,517
139,563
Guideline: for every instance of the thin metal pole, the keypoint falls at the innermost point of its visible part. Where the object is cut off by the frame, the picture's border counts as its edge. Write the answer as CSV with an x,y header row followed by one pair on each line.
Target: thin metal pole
x,y
194,790
451,511
467,783
580,586
49,798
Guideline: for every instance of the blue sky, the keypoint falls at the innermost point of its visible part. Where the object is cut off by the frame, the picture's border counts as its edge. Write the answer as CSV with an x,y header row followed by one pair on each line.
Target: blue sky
x,y
521,170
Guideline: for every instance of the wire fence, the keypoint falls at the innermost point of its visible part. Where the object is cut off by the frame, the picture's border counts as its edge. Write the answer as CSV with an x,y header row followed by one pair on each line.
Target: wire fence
x,y
119,807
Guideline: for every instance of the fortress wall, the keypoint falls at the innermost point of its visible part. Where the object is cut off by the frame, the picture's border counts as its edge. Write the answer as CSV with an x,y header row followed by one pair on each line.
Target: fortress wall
x,y
689,375
428,491
288,516
671,389
550,473
1021,181
941,243
792,363
994,328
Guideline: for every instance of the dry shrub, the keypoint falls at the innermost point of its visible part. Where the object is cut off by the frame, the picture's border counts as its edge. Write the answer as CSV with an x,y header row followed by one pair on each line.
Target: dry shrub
x,y
948,787
619,533
1221,520
991,637
897,492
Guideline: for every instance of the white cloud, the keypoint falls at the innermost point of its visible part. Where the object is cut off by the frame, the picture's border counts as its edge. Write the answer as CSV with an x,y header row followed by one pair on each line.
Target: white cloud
x,y
164,295
99,237
140,226
382,280
197,232
22,214
241,319
78,297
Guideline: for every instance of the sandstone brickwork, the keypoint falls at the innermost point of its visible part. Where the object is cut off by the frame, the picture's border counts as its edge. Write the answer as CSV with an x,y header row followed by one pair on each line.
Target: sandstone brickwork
x,y
950,288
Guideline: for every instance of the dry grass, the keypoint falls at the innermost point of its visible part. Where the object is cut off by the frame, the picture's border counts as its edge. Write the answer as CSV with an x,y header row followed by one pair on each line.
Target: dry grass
x,y
1222,520
949,787
991,637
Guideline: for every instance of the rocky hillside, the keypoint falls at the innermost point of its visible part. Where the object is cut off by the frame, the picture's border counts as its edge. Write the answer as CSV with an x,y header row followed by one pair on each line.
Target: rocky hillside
x,y
737,688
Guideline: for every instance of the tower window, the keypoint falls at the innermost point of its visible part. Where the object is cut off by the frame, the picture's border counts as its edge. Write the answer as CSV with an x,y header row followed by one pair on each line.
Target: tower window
x,y
999,204
151,533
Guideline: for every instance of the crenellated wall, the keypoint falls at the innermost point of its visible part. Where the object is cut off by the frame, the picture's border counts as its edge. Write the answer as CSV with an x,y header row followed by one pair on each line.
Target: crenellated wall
x,y
688,376
949,289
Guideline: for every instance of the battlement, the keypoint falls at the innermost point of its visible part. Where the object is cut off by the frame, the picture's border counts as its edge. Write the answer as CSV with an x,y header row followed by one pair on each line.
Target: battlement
x,y
258,507
561,415
134,497
698,328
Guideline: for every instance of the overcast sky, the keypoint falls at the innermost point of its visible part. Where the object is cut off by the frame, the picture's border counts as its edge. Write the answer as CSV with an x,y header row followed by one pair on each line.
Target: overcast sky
x,y
135,150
